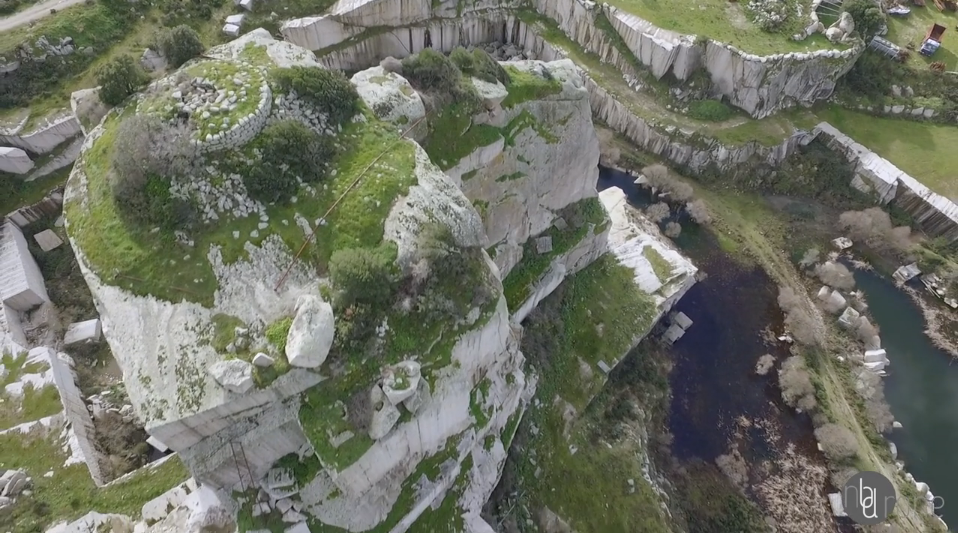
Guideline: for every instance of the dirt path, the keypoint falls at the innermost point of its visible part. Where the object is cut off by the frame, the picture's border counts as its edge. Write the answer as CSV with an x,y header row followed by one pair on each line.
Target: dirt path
x,y
34,13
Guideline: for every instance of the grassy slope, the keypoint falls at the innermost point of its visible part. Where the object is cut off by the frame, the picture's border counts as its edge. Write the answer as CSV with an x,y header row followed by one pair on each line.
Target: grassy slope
x,y
911,29
601,310
724,22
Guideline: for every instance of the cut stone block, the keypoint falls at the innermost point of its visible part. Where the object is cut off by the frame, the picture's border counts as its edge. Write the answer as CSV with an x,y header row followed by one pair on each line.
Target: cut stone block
x,y
86,331
385,414
544,245
236,20
311,334
14,161
246,4
400,381
48,240
234,375
262,360
682,320
21,283
154,442
232,30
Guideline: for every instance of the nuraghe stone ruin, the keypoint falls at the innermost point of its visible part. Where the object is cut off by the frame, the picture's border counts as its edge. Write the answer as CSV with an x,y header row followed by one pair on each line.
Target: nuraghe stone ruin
x,y
441,414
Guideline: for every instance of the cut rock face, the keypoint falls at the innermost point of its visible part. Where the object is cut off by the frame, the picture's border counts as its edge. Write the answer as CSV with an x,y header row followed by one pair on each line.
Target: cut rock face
x,y
234,375
385,414
400,381
311,335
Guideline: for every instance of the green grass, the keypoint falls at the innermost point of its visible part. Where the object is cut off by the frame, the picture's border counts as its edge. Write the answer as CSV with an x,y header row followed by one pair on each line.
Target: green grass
x,y
911,29
710,110
15,193
71,492
725,22
135,258
34,405
661,267
589,488
925,151
452,136
518,284
525,86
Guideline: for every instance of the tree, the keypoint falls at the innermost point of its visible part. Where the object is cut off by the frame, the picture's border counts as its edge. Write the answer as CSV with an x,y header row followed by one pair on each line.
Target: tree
x,y
673,230
289,152
835,275
148,154
698,212
838,442
658,177
119,78
179,45
431,71
657,212
867,15
796,384
802,325
874,227
364,275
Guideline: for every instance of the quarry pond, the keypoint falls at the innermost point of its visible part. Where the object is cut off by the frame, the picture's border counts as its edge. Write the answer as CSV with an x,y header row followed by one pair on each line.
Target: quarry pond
x,y
922,390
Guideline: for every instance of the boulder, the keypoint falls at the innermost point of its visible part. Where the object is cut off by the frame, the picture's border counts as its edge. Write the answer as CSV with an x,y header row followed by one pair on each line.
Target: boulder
x,y
492,94
391,97
48,240
86,331
400,381
262,360
88,108
846,23
14,161
385,414
12,482
420,396
311,335
234,375
231,30
151,60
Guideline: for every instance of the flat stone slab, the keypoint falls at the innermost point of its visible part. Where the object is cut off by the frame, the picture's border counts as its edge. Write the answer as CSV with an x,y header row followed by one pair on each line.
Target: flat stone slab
x,y
86,331
154,442
544,245
48,240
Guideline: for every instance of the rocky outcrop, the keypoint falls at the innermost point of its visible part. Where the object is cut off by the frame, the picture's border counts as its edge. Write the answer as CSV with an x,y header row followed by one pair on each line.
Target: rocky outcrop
x,y
937,215
392,99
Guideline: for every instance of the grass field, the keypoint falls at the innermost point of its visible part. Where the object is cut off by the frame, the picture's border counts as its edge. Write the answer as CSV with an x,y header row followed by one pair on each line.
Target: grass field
x,y
911,29
726,22
928,152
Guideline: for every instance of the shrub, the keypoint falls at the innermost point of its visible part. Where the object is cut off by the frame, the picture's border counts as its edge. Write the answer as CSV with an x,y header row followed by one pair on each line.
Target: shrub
x,y
796,384
865,330
867,15
431,71
657,212
479,64
698,212
873,226
327,90
179,45
289,152
837,442
391,64
798,320
672,230
119,78
658,177
364,275
710,110
450,279
835,275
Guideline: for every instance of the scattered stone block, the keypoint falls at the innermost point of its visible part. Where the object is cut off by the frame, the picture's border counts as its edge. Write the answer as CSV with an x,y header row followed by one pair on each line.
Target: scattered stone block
x,y
682,320
232,30
544,244
842,243
604,367
420,397
284,505
560,224
86,331
151,60
400,381
292,517
246,4
48,240
341,439
154,442
262,360
234,375
311,334
21,283
236,20
14,161
385,414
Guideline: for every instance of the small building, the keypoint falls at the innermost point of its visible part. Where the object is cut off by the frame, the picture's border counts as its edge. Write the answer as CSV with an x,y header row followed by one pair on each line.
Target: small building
x,y
906,272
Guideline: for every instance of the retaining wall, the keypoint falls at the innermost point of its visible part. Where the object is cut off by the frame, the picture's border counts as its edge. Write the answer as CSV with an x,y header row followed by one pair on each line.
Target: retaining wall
x,y
244,130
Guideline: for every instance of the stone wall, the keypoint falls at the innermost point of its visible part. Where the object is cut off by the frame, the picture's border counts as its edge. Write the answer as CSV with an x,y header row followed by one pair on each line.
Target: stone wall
x,y
937,215
49,206
244,130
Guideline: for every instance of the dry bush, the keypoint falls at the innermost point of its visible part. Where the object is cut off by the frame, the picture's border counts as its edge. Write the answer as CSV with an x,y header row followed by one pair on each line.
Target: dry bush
x,y
765,363
837,442
873,227
835,275
673,230
878,410
391,64
657,212
659,178
810,258
734,467
799,322
147,146
699,212
865,330
796,384
609,153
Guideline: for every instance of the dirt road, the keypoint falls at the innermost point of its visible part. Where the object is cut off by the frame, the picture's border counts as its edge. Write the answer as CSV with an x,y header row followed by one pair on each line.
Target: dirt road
x,y
33,13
